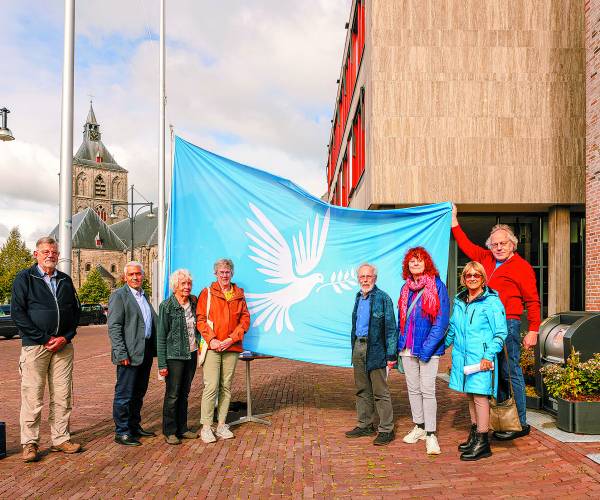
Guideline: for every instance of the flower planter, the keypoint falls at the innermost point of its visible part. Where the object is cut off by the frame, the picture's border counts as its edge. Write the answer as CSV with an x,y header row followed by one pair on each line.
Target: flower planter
x,y
587,417
565,417
533,402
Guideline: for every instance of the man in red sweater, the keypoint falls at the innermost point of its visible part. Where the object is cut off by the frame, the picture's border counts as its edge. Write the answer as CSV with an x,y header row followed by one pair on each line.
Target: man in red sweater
x,y
514,280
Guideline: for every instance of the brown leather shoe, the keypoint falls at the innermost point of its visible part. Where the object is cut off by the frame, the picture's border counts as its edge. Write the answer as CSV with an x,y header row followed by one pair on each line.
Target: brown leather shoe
x,y
67,447
30,453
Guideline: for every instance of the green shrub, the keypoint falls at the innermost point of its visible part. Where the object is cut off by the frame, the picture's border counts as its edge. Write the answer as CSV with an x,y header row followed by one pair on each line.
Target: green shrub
x,y
575,380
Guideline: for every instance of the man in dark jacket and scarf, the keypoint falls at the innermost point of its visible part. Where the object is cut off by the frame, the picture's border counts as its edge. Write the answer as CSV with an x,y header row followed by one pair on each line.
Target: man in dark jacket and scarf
x,y
374,340
46,310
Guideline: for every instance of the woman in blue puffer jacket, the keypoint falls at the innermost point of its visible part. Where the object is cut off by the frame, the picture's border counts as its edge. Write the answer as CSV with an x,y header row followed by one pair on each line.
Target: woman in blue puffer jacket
x,y
423,310
477,330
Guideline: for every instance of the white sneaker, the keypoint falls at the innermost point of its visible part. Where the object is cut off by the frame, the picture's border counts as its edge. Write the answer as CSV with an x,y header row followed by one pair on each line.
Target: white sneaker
x,y
413,436
433,448
206,434
223,432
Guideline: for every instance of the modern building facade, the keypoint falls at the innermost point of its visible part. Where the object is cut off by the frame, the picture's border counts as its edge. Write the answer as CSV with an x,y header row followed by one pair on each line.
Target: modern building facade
x,y
477,102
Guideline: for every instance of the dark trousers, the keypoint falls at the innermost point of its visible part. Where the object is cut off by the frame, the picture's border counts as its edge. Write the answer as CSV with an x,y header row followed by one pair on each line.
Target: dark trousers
x,y
130,389
177,390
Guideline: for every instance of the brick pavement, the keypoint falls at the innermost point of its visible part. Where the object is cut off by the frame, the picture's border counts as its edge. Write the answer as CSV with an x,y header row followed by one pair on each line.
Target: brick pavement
x,y
303,455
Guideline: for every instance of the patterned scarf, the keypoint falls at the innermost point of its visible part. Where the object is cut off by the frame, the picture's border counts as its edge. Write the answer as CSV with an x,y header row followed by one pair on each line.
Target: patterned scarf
x,y
430,302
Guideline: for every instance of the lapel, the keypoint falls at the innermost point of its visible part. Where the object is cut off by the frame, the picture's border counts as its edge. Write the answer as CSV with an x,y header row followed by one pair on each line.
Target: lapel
x,y
132,302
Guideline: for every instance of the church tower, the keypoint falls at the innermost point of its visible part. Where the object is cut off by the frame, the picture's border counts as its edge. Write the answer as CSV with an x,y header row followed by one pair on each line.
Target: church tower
x,y
98,180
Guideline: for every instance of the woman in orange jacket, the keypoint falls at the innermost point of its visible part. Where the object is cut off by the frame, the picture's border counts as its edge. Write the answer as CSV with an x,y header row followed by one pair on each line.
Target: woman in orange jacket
x,y
223,318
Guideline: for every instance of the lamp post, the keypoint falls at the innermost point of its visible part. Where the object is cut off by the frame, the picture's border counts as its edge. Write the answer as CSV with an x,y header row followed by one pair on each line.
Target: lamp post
x,y
132,211
5,133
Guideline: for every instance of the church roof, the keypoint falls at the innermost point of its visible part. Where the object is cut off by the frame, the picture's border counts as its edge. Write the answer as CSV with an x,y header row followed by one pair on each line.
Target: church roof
x,y
145,230
90,149
86,226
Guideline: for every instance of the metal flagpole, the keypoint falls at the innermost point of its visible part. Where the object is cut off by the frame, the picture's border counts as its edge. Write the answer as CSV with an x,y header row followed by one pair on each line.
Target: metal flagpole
x,y
161,158
65,227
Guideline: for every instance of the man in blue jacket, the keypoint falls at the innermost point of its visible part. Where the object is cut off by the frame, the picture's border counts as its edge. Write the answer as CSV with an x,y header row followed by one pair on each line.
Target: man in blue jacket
x,y
46,310
374,340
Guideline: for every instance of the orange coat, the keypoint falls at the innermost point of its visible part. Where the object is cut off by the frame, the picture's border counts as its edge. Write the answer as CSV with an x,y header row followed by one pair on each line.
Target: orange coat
x,y
230,319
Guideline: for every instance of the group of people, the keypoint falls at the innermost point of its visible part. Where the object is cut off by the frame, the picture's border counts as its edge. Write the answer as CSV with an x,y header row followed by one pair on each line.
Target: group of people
x,y
484,330
498,284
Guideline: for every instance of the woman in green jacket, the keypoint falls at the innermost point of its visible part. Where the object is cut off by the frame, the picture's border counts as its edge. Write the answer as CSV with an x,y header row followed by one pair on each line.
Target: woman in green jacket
x,y
177,344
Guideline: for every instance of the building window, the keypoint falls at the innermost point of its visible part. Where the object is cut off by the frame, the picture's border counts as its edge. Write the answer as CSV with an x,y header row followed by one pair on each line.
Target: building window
x,y
531,230
113,268
101,212
88,266
99,187
117,188
80,185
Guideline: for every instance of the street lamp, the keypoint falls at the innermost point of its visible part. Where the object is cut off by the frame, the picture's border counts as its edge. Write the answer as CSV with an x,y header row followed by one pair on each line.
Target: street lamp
x,y
5,133
131,212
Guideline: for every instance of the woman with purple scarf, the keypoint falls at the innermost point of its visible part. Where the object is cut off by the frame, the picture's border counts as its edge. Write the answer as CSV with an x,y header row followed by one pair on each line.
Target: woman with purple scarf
x,y
423,313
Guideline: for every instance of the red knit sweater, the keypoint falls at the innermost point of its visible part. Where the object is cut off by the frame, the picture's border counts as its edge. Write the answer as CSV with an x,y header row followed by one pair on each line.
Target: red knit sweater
x,y
514,280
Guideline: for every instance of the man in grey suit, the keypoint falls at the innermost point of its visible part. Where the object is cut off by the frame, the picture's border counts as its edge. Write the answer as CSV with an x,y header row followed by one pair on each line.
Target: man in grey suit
x,y
132,332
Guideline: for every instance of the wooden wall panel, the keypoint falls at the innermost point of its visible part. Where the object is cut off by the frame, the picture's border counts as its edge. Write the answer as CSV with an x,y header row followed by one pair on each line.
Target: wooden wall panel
x,y
477,101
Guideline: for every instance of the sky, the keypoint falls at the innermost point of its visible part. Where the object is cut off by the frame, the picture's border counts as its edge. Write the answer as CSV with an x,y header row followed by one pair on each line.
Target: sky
x,y
252,81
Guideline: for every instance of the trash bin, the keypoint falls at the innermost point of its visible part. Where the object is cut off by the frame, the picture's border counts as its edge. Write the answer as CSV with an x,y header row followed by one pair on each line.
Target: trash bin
x,y
559,334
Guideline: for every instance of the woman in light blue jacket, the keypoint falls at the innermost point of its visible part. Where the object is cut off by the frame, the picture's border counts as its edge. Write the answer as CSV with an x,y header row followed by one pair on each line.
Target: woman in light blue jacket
x,y
477,330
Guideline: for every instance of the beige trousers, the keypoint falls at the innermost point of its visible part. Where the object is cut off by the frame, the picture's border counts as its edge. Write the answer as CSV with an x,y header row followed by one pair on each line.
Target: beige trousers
x,y
217,371
37,365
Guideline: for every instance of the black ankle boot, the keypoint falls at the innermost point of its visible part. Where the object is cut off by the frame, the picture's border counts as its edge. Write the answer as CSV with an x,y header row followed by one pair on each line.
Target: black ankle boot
x,y
480,449
470,440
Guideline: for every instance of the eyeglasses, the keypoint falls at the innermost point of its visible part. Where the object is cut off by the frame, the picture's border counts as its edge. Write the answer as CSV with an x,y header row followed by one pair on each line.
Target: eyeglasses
x,y
223,273
499,244
415,260
472,276
365,276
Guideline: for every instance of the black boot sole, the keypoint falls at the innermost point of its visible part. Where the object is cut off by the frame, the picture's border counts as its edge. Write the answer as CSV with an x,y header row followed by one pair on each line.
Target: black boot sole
x,y
473,459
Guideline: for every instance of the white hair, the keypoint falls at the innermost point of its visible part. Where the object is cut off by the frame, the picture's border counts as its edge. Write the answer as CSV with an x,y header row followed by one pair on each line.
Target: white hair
x,y
366,264
133,263
223,263
177,276
509,232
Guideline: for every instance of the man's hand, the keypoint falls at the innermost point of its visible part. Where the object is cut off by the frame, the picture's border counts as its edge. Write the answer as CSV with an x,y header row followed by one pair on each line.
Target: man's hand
x,y
163,372
391,364
530,340
55,344
125,362
485,365
454,215
226,344
214,344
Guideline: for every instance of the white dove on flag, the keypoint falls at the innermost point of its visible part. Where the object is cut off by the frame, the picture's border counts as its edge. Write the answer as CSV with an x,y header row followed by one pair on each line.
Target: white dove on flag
x,y
273,253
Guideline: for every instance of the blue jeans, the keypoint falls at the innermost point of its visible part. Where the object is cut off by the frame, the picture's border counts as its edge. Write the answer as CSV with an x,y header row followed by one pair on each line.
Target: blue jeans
x,y
513,346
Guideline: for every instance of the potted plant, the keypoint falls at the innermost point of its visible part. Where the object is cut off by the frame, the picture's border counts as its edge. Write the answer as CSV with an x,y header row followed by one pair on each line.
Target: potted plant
x,y
576,388
533,400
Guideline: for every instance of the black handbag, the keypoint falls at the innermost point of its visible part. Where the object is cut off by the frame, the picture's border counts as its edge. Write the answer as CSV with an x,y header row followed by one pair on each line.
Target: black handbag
x,y
504,416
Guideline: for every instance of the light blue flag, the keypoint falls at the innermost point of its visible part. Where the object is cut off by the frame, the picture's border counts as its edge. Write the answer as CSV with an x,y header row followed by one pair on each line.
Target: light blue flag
x,y
295,256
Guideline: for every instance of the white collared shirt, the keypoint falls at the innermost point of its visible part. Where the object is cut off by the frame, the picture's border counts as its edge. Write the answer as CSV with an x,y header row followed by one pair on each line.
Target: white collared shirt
x,y
146,311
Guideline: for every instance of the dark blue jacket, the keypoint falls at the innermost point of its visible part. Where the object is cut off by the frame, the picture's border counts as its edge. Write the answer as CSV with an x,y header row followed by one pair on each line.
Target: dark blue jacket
x,y
428,337
37,313
383,334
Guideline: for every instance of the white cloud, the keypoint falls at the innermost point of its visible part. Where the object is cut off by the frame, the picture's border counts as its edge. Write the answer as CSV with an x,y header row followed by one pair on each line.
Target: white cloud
x,y
253,81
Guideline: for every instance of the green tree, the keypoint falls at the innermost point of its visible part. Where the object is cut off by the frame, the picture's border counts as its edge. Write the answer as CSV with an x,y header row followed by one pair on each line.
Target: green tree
x,y
14,256
94,289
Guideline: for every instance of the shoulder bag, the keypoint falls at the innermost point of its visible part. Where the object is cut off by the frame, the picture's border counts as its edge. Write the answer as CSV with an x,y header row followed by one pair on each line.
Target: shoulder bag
x,y
203,343
400,365
504,416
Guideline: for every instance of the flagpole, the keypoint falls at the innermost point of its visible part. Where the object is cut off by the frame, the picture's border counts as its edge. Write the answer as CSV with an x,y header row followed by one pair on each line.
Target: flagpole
x,y
161,157
65,227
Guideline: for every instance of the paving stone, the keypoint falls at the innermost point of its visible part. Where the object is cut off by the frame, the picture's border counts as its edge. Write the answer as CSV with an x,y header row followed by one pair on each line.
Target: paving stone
x,y
304,454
